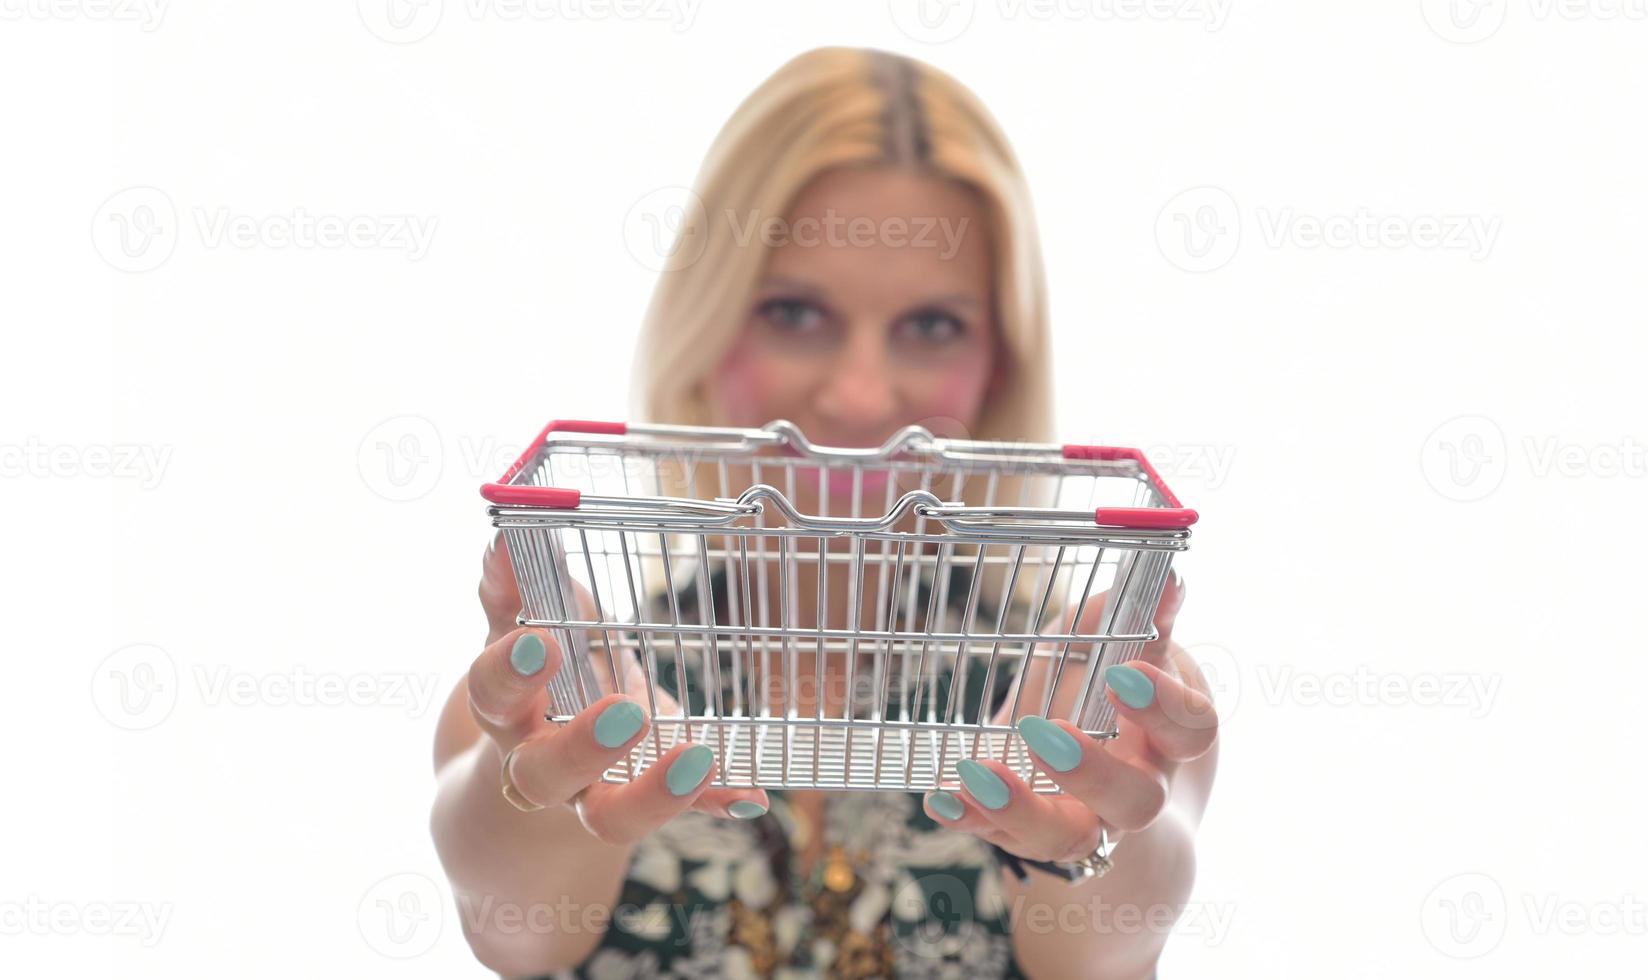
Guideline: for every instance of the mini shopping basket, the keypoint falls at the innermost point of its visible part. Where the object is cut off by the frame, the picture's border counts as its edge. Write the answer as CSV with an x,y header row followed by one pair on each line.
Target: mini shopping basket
x,y
714,573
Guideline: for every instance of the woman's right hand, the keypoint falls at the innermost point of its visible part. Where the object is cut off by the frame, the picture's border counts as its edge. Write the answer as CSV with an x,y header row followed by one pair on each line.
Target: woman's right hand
x,y
562,765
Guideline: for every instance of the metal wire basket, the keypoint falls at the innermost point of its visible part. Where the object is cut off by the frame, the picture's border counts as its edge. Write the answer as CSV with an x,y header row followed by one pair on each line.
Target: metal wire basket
x,y
836,618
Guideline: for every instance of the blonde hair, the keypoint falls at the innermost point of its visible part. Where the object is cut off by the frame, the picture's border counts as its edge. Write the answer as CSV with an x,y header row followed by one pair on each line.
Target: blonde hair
x,y
844,107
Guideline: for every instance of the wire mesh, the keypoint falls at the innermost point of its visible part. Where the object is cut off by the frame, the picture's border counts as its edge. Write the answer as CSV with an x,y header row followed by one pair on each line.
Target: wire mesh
x,y
829,618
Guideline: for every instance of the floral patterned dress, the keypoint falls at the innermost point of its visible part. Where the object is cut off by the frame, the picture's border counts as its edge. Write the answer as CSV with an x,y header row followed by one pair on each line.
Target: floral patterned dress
x,y
893,893
894,896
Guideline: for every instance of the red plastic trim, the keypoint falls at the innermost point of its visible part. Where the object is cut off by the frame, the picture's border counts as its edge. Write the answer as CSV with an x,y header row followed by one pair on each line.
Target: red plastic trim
x,y
1174,515
502,492
1146,518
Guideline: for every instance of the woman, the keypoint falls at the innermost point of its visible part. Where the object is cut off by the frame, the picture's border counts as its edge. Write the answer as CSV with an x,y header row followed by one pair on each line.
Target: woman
x,y
932,313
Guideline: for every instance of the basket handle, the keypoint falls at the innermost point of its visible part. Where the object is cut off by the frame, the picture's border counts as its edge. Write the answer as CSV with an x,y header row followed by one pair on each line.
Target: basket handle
x,y
1175,516
556,498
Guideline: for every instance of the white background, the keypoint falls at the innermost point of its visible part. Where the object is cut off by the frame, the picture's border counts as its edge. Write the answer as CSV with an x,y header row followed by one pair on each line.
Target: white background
x,y
1426,631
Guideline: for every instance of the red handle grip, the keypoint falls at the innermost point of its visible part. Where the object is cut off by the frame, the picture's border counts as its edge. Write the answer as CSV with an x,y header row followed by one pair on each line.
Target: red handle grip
x,y
1174,516
503,492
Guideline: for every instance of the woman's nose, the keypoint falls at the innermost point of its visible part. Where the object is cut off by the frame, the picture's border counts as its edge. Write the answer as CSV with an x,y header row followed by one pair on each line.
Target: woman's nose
x,y
860,392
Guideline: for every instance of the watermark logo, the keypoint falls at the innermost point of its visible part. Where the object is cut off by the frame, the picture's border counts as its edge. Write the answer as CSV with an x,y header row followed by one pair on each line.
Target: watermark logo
x,y
401,458
401,21
1464,21
1464,459
410,21
941,21
666,229
135,687
669,228
144,465
932,21
401,916
1465,916
1223,674
1471,21
1231,681
147,14
1200,229
135,230
35,916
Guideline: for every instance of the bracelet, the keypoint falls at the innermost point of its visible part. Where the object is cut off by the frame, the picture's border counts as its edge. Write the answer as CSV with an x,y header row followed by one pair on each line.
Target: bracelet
x,y
1095,865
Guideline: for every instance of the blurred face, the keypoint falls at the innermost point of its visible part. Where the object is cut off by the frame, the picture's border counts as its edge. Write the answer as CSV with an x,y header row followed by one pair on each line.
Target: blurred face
x,y
875,311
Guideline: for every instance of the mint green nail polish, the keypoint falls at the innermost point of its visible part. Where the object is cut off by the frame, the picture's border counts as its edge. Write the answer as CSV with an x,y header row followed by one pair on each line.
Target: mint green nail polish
x,y
1052,744
945,804
746,809
984,785
689,769
617,723
1131,685
527,655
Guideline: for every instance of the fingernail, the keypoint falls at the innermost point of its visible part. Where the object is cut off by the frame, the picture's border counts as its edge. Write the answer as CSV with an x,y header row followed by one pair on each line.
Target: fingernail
x,y
1131,685
617,723
1052,744
984,785
527,655
689,769
945,804
746,809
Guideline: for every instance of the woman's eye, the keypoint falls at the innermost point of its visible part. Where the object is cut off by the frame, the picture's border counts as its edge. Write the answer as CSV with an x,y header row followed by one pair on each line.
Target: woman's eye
x,y
792,314
933,326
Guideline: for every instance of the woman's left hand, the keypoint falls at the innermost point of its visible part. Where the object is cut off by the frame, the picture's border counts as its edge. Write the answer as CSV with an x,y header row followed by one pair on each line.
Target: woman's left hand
x,y
1165,717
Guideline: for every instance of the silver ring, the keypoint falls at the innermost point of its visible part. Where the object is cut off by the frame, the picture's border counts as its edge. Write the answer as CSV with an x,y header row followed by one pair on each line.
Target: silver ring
x,y
1095,865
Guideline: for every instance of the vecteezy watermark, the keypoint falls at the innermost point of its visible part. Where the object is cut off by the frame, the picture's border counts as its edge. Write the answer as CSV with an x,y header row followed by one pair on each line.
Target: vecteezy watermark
x,y
1470,21
144,465
1231,680
939,21
136,230
137,687
147,14
1467,915
401,458
222,685
36,916
1466,458
1201,229
409,21
401,916
669,228
1464,916
1208,464
1472,694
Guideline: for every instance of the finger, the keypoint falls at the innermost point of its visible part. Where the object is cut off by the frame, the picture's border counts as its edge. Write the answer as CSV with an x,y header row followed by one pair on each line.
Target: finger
x,y
1053,661
626,812
952,811
1179,720
506,684
733,802
500,593
1128,796
551,767
1167,612
1041,827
